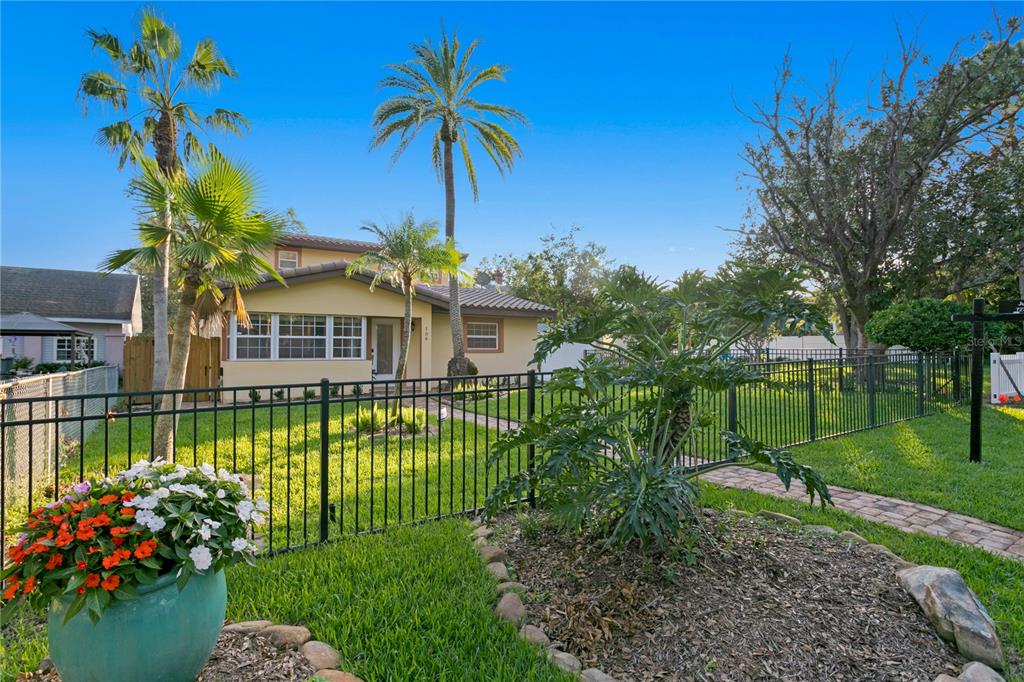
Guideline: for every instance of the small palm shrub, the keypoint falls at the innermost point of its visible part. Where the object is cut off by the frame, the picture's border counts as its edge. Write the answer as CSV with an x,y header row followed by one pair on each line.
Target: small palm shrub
x,y
377,417
623,470
309,394
255,396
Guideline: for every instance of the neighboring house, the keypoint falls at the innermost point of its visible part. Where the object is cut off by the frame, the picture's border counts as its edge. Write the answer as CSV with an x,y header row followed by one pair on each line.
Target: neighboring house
x,y
107,307
325,324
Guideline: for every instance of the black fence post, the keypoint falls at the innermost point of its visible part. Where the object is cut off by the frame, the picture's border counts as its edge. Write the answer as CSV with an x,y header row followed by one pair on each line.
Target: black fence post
x,y
730,409
840,375
812,408
920,384
531,409
872,416
325,422
957,389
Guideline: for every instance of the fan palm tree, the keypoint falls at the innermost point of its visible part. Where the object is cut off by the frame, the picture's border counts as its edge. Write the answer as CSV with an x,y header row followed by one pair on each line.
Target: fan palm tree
x,y
409,252
218,237
151,80
437,91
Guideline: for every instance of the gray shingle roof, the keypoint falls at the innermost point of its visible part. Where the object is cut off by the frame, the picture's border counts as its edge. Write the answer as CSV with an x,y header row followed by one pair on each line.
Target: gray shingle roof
x,y
67,293
483,300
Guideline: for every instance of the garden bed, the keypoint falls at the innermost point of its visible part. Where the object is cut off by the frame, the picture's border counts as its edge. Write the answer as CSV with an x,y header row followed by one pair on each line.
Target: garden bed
x,y
750,601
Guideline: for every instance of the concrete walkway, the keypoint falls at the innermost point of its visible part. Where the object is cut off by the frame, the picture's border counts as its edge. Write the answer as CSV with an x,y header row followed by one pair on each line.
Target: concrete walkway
x,y
906,516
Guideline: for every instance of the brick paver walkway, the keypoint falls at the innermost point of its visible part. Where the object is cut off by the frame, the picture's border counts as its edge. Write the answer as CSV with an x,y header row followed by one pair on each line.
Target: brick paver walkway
x,y
906,516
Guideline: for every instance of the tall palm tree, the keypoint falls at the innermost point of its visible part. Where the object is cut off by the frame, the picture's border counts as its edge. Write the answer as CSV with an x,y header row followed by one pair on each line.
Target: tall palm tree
x,y
152,80
218,237
408,253
437,91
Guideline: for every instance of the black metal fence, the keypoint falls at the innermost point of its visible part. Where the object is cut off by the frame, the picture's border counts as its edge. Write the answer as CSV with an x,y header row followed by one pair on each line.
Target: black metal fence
x,y
334,458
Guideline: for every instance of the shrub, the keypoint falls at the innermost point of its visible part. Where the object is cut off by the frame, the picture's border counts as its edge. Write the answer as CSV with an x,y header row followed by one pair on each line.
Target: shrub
x,y
616,468
279,394
21,363
254,395
922,324
374,418
309,394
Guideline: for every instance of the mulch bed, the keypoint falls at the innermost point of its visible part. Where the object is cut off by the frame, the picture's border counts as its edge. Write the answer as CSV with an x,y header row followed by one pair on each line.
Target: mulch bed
x,y
237,658
761,602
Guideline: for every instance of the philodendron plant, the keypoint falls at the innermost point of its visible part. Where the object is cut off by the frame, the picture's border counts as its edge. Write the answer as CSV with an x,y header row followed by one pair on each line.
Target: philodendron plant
x,y
618,454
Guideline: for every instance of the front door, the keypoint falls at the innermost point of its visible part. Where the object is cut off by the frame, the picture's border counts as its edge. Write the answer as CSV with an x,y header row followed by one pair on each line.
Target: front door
x,y
385,348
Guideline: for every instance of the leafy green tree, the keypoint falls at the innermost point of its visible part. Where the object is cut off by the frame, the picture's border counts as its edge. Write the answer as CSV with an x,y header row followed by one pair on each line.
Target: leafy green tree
x,y
924,324
408,253
218,238
150,83
616,467
838,188
437,90
562,274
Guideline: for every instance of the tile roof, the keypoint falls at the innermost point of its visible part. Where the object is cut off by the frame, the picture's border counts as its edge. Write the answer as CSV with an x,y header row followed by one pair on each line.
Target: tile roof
x,y
67,293
313,241
482,300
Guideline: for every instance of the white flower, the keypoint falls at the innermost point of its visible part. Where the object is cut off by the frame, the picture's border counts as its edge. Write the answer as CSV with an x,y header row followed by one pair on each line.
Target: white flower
x,y
239,544
201,557
205,532
161,493
261,505
257,518
245,509
190,489
220,493
208,470
150,520
212,524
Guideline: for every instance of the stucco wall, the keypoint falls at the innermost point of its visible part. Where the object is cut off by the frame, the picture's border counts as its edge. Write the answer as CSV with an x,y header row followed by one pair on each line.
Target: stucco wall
x,y
250,372
518,341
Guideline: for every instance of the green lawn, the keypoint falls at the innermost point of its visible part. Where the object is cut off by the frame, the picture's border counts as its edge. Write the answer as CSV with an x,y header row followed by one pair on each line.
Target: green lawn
x,y
374,481
925,460
406,604
998,581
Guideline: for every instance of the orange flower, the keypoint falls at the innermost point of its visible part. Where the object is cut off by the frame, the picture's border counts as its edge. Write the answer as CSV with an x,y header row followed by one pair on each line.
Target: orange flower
x,y
55,561
127,512
111,583
63,539
12,589
92,580
30,584
100,520
17,553
92,550
107,499
57,518
114,559
128,495
145,549
81,565
118,531
80,590
38,511
85,532
77,507
118,542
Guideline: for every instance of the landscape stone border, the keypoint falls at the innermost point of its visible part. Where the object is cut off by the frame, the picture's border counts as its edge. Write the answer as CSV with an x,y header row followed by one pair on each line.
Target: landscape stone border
x,y
951,607
510,607
324,658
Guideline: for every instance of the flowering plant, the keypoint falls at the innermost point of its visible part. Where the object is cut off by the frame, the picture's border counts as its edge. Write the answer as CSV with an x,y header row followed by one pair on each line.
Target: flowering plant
x,y
106,537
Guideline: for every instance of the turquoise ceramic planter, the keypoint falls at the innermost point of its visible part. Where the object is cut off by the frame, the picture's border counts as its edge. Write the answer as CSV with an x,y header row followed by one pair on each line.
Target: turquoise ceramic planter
x,y
163,636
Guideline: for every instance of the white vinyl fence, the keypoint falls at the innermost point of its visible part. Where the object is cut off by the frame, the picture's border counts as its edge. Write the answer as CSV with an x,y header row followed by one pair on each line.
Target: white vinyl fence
x,y
1003,367
39,450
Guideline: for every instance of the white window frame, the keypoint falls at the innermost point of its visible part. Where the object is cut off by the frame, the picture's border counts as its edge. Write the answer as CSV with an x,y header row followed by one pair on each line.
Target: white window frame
x,y
280,259
496,336
336,324
233,340
77,344
326,336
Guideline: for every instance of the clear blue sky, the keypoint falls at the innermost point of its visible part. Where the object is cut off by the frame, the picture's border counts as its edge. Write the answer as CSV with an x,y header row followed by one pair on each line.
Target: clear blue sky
x,y
634,133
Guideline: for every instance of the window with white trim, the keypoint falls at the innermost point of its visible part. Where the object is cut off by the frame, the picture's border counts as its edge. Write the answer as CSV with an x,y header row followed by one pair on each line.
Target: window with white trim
x,y
287,259
482,335
253,343
84,349
348,338
302,337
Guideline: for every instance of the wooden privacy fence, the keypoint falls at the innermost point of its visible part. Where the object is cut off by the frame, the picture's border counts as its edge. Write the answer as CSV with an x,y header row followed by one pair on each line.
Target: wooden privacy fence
x,y
203,369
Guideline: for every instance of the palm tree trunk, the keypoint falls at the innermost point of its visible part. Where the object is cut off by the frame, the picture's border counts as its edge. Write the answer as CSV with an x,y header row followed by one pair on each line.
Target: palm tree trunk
x,y
403,353
165,142
163,436
458,365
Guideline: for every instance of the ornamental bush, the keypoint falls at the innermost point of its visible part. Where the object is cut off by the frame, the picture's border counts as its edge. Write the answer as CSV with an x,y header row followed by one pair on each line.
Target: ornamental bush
x,y
921,324
101,541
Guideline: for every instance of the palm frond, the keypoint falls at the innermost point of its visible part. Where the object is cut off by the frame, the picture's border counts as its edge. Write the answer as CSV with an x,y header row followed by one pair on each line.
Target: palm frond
x,y
104,88
467,159
207,66
228,121
158,37
108,43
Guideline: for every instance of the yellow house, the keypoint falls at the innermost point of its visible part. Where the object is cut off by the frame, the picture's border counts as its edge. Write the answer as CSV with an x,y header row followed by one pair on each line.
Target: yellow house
x,y
325,324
